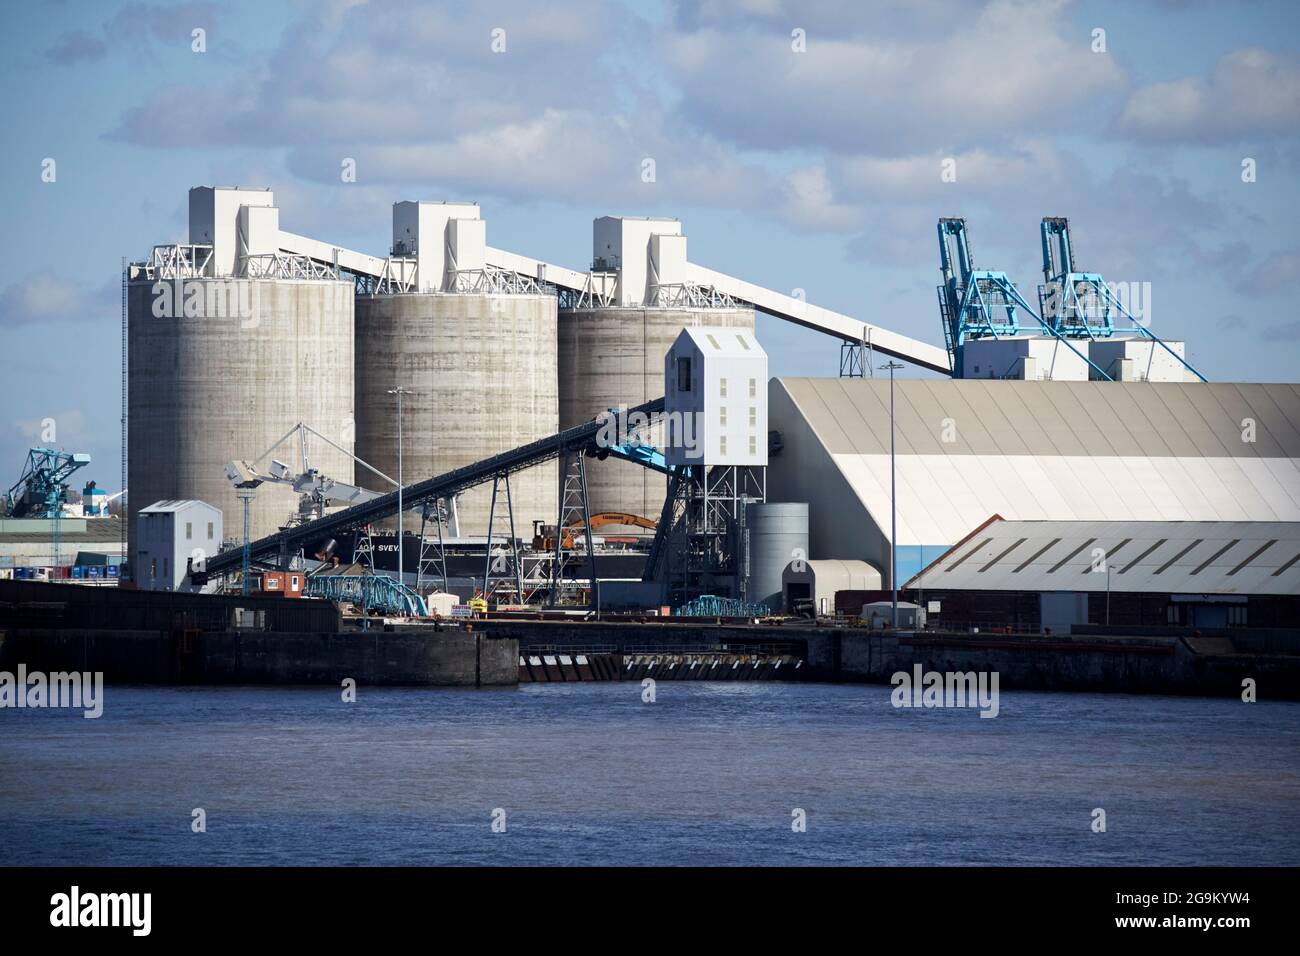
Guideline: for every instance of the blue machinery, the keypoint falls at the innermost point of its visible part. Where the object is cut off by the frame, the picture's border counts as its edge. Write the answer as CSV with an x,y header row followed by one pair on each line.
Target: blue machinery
x,y
41,490
1075,306
367,591
711,605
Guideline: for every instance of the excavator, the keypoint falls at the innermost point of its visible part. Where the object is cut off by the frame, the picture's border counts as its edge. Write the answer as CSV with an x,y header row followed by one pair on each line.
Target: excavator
x,y
544,534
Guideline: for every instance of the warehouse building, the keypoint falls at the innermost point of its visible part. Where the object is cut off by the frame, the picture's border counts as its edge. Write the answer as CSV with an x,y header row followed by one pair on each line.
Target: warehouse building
x,y
1055,574
1027,451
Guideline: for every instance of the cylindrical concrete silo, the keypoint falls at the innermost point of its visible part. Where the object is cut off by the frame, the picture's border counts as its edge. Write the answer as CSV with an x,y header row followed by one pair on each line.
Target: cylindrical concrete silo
x,y
778,534
481,372
219,369
615,356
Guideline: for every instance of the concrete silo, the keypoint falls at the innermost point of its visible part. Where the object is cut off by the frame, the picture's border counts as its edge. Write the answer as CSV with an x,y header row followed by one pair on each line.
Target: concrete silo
x,y
614,355
477,351
226,355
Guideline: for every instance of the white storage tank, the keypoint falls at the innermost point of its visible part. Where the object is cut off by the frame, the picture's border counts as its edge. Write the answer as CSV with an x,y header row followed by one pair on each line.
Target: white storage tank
x,y
481,372
778,535
477,358
221,366
204,390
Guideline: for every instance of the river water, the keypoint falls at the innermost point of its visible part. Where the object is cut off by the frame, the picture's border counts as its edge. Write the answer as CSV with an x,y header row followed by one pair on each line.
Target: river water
x,y
591,774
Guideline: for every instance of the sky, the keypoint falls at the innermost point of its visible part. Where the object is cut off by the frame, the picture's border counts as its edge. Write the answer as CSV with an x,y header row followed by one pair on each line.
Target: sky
x,y
802,145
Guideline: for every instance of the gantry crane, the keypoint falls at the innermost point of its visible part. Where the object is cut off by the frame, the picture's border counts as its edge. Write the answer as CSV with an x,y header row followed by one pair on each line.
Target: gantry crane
x,y
42,490
1083,305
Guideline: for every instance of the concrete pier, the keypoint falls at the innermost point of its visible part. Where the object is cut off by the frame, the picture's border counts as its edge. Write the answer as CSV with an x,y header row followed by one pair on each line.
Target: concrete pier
x,y
166,638
450,658
1204,666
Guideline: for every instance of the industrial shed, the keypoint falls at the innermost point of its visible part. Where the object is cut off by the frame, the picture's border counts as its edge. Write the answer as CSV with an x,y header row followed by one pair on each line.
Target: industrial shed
x,y
1154,573
1045,451
819,582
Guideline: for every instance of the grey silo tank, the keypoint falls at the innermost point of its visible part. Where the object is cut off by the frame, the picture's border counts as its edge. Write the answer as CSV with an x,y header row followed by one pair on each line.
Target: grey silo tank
x,y
778,534
615,356
482,369
206,390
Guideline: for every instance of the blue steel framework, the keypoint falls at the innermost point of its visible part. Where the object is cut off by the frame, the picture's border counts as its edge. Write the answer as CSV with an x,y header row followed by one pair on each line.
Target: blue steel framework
x,y
1082,304
976,303
378,591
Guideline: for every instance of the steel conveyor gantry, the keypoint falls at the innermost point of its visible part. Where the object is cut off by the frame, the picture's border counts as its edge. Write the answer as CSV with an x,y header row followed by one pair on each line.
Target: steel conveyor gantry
x,y
286,542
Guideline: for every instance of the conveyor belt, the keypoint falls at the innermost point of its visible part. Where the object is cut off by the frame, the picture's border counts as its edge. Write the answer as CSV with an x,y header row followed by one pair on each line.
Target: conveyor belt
x,y
453,482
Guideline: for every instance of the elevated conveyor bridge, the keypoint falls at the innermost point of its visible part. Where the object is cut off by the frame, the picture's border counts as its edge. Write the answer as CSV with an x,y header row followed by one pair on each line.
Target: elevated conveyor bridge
x,y
579,439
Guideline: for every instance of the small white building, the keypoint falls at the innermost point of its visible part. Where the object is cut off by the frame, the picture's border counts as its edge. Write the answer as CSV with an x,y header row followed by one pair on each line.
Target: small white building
x,y
715,398
1139,359
878,615
818,581
1036,358
170,535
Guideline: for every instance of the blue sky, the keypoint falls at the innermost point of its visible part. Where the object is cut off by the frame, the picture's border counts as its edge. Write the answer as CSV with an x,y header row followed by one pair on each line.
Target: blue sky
x,y
816,170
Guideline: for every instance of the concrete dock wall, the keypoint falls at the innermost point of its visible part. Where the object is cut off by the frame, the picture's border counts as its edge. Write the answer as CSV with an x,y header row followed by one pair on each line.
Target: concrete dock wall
x,y
1153,665
451,658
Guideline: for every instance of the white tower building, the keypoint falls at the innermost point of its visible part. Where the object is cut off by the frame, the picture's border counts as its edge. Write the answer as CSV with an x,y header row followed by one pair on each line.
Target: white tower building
x,y
715,398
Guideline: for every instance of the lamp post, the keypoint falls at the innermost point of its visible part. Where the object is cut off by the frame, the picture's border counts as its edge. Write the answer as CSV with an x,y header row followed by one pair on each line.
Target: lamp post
x,y
399,392
1108,594
893,495
246,493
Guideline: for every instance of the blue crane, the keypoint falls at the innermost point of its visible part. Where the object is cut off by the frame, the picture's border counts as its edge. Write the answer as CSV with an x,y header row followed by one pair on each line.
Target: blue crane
x,y
1077,304
972,303
977,304
1082,305
42,489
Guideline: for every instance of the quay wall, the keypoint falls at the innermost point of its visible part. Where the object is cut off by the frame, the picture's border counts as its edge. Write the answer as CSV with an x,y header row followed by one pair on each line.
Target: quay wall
x,y
445,658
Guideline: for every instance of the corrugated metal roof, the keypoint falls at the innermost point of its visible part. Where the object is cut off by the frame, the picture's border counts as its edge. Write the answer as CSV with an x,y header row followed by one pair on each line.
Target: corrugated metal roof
x,y
169,507
1073,451
93,529
1153,419
716,340
1177,557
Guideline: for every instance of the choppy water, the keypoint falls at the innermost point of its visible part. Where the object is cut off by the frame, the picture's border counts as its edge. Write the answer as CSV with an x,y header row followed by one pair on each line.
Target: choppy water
x,y
587,773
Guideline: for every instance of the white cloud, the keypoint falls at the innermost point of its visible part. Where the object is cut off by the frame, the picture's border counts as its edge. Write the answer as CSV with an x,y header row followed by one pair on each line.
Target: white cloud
x,y
44,297
1250,92
1007,63
810,203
